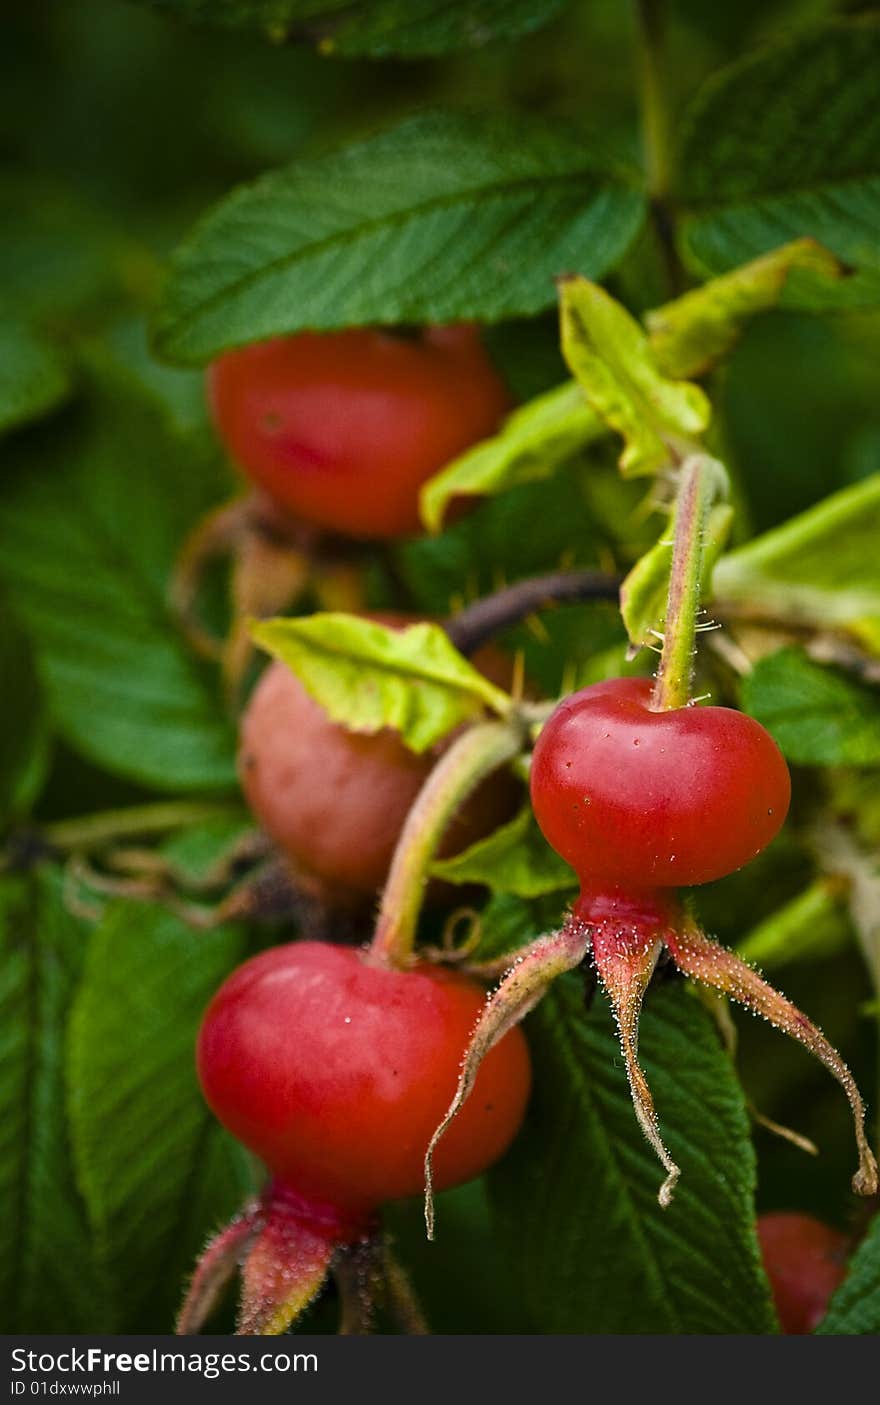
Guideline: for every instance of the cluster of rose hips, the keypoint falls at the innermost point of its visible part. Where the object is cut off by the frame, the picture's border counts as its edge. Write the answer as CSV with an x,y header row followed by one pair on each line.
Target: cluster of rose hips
x,y
351,1077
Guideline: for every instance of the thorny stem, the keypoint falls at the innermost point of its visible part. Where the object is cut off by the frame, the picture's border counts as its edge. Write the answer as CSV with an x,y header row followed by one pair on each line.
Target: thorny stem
x,y
478,752
656,132
487,617
698,484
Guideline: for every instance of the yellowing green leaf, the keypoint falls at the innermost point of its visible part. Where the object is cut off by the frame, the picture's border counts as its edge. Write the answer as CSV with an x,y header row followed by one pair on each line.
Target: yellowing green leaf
x,y
515,859
609,354
368,676
532,442
819,568
691,334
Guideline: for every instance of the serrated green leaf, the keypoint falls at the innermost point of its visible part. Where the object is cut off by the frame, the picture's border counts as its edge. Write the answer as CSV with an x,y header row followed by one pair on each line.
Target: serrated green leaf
x,y
49,1280
786,144
577,1195
368,676
515,859
609,354
643,595
93,510
24,732
440,218
157,1172
854,1310
812,926
531,444
33,376
375,28
818,716
688,336
819,568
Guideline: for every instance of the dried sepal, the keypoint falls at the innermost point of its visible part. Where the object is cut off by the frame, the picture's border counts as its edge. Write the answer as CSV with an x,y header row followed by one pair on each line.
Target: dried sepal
x,y
215,1268
697,956
625,959
526,981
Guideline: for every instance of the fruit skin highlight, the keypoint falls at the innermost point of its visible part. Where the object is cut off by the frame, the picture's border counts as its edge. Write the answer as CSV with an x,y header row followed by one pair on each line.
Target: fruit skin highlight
x,y
636,799
805,1261
343,428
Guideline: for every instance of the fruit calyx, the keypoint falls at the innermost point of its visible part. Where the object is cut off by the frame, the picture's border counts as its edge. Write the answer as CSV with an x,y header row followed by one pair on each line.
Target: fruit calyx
x,y
625,934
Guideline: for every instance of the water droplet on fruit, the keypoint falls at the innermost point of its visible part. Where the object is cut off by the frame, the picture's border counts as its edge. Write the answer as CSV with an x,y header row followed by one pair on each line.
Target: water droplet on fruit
x,y
347,1019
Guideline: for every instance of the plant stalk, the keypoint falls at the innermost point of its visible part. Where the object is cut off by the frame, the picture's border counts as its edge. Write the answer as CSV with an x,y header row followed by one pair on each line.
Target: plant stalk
x,y
475,754
657,143
698,487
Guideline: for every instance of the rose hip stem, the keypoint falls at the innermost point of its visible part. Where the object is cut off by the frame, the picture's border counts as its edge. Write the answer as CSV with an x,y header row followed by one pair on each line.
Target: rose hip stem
x,y
478,752
702,479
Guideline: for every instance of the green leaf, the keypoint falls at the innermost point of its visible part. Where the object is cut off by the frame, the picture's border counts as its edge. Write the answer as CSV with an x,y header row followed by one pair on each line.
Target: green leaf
x,y
819,568
531,445
368,676
688,336
24,733
33,376
49,1281
812,926
515,859
376,28
442,217
157,1172
609,354
643,595
854,1310
93,510
818,716
577,1196
786,144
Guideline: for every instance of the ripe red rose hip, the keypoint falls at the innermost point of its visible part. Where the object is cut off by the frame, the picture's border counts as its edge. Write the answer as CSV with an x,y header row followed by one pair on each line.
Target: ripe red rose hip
x,y
805,1261
638,799
335,1072
343,428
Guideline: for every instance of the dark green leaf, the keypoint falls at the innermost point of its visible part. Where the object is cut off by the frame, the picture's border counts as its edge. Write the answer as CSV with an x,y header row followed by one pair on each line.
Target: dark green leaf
x,y
515,859
49,1281
24,735
376,28
577,1196
157,1171
368,676
33,376
786,144
855,1307
441,217
93,509
818,716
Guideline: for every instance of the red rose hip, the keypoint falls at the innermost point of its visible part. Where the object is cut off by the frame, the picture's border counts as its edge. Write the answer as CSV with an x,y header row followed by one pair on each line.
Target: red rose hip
x,y
805,1261
343,428
638,799
335,1072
